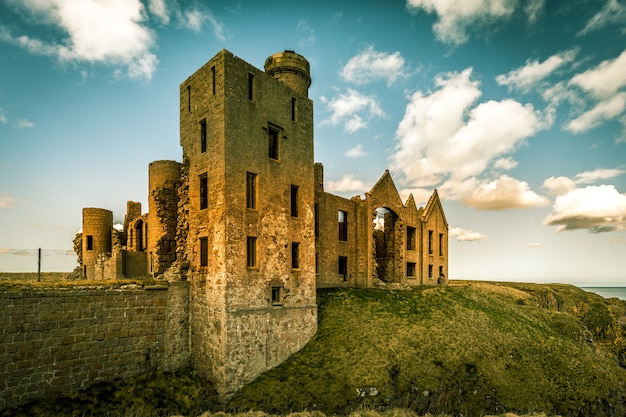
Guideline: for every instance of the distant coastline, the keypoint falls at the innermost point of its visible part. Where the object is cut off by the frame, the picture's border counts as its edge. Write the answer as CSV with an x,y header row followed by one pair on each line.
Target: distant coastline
x,y
608,292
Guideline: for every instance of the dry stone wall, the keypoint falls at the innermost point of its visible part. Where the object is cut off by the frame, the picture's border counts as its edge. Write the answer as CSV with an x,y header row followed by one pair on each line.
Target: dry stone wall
x,y
56,340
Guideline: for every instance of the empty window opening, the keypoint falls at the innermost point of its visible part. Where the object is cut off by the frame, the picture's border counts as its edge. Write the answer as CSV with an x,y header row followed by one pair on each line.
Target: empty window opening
x,y
430,271
388,239
317,264
293,108
203,145
277,295
204,192
430,242
89,242
295,255
294,200
204,251
251,252
410,269
343,267
251,186
440,244
441,271
213,78
343,225
139,236
410,238
273,144
250,86
188,98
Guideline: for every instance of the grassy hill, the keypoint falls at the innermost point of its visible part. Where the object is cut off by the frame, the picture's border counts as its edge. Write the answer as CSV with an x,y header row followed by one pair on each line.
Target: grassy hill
x,y
472,348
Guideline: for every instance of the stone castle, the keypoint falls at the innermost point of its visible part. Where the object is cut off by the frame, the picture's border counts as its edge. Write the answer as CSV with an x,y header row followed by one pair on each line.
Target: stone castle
x,y
245,220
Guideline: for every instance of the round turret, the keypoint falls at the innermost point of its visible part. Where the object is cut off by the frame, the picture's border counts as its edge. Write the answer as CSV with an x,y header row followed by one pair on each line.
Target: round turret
x,y
291,69
97,226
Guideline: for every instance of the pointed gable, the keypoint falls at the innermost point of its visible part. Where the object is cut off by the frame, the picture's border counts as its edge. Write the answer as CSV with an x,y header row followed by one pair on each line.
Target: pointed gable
x,y
434,208
385,194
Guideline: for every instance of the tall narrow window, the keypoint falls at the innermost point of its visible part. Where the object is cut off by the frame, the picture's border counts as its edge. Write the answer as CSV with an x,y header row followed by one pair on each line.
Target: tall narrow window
x,y
430,271
410,238
204,251
273,143
204,192
343,267
317,220
293,108
440,244
213,78
251,252
343,225
203,136
250,86
188,98
89,242
295,255
430,242
294,201
410,269
317,263
251,190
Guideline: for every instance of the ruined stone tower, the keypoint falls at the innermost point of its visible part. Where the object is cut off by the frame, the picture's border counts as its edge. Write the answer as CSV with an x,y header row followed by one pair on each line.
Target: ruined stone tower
x,y
248,199
96,240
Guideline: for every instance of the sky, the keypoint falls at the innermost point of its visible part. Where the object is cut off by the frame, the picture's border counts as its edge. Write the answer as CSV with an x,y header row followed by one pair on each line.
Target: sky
x,y
515,111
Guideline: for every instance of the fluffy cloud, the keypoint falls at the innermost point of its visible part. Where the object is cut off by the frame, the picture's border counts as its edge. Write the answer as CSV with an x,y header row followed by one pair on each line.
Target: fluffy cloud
x,y
442,136
605,79
3,116
356,152
563,185
601,112
24,124
595,208
347,183
525,77
504,193
371,65
6,201
463,235
456,19
612,13
351,108
113,32
506,164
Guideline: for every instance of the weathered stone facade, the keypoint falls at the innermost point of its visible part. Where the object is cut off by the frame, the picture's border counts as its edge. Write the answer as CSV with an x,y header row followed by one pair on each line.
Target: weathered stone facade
x,y
245,219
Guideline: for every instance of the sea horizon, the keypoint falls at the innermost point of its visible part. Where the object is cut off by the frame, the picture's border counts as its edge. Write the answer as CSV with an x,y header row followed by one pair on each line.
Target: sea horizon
x,y
607,291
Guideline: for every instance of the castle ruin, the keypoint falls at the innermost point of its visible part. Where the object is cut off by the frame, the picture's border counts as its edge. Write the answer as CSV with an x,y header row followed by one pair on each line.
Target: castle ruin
x,y
245,220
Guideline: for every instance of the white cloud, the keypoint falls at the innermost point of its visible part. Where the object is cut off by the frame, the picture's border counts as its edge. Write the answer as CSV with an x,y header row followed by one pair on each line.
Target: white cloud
x,y
525,77
533,9
6,201
442,136
351,108
347,183
604,110
559,185
111,32
3,116
612,13
371,65
24,124
306,34
595,208
605,79
506,164
504,193
457,18
463,235
563,185
356,152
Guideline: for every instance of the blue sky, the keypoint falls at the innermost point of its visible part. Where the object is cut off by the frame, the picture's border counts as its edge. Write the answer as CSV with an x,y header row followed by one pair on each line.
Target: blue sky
x,y
514,110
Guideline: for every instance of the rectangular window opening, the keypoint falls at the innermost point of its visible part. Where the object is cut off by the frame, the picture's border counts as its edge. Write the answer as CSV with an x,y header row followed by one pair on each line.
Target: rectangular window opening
x,y
89,242
188,98
277,295
410,269
250,86
294,201
343,267
203,144
204,191
293,108
440,244
295,255
343,225
430,271
273,144
251,194
317,264
251,252
204,251
410,238
430,242
213,78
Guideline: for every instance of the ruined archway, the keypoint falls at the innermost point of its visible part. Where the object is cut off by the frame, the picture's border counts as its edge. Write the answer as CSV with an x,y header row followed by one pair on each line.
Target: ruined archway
x,y
387,240
139,245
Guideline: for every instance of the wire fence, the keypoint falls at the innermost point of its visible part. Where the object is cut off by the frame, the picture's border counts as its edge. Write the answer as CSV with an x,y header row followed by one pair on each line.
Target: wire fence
x,y
35,260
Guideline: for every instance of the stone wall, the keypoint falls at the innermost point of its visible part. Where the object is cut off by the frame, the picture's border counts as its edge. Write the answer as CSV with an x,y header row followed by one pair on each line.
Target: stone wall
x,y
56,340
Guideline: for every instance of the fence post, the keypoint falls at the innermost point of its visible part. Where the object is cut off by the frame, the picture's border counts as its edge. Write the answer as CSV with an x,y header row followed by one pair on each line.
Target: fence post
x,y
39,265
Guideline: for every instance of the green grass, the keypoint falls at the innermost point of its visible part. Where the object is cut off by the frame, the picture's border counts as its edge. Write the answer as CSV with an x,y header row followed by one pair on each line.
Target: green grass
x,y
464,349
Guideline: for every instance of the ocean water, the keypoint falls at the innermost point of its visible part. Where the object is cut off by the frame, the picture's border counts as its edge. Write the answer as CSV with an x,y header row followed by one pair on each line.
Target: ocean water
x,y
608,292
